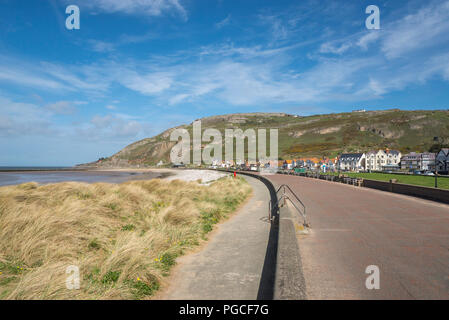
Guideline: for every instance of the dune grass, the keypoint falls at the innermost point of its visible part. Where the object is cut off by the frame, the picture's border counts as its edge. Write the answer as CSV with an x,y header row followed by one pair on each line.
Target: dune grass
x,y
123,237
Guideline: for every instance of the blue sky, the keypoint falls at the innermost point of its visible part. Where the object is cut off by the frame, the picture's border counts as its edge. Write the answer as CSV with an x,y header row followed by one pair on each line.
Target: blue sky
x,y
138,67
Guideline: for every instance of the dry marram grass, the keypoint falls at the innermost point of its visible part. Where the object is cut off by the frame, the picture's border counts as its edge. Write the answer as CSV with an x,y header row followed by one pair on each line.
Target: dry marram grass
x,y
123,237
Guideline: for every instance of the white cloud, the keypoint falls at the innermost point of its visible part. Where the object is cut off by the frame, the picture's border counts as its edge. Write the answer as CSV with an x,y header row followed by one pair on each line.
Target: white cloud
x,y
62,107
110,127
23,119
178,98
77,77
263,74
52,77
368,38
101,46
425,28
124,39
229,49
18,119
328,47
146,7
148,84
24,77
279,29
223,22
263,82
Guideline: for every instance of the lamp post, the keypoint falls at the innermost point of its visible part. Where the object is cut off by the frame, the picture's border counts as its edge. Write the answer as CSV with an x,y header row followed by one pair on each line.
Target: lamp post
x,y
436,178
437,162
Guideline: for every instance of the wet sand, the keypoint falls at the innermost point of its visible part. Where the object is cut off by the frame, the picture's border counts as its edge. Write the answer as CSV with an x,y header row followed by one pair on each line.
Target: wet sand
x,y
89,176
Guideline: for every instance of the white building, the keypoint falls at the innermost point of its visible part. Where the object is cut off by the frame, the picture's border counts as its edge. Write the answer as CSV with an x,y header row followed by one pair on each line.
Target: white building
x,y
352,162
427,161
418,161
377,160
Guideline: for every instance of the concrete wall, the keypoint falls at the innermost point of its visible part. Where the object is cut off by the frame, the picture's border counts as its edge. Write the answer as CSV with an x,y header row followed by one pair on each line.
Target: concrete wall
x,y
282,275
410,190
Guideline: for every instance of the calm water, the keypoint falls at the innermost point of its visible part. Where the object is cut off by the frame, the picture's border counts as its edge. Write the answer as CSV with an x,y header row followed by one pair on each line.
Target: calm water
x,y
13,176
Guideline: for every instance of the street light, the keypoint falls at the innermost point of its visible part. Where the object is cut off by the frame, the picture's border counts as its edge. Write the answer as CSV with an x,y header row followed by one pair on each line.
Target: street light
x,y
437,162
436,177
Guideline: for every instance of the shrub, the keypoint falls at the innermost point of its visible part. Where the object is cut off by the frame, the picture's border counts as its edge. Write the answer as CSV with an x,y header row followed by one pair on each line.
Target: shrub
x,y
110,277
128,227
93,244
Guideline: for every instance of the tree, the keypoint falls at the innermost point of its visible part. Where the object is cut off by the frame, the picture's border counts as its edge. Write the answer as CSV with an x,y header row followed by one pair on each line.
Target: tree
x,y
435,148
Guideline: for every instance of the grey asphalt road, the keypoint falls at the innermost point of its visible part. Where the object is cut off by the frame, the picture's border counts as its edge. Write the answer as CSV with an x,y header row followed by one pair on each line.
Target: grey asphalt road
x,y
230,266
352,228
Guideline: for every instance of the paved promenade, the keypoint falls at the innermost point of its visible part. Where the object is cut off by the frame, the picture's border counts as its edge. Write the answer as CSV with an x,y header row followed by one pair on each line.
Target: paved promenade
x,y
352,228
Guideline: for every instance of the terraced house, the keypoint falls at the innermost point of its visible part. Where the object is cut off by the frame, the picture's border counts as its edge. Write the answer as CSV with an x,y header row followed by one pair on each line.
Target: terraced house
x,y
383,160
352,162
418,161
442,160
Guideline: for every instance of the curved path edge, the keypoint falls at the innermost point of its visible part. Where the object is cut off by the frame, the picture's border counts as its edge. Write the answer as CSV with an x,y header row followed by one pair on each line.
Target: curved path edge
x,y
232,264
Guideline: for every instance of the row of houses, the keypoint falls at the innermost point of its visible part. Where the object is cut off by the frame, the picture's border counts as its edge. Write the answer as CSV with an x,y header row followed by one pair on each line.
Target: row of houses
x,y
381,160
393,160
325,164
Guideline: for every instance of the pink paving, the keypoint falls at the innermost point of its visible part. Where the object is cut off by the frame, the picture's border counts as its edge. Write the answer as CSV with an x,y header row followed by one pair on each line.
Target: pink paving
x,y
353,227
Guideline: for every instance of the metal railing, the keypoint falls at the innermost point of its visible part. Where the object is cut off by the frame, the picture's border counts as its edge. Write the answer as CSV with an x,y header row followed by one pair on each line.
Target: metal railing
x,y
301,208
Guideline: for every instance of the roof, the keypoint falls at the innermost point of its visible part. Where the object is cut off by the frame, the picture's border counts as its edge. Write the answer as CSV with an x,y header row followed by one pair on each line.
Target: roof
x,y
309,159
393,152
411,155
351,155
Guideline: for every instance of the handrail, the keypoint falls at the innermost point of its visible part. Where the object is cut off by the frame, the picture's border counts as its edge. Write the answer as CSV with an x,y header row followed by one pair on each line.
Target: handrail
x,y
275,208
291,191
303,212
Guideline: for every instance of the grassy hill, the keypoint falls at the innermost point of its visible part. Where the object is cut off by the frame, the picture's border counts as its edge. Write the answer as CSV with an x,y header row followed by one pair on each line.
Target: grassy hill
x,y
311,136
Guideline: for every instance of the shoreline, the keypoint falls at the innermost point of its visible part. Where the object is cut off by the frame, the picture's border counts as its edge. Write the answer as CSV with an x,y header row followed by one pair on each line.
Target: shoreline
x,y
109,175
52,175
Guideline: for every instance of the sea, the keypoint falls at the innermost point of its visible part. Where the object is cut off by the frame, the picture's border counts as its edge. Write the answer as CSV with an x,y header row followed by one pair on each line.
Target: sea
x,y
45,175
